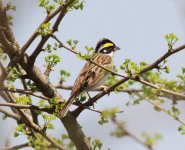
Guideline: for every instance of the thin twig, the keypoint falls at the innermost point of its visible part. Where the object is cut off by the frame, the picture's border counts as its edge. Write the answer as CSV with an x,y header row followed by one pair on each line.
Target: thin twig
x,y
158,61
177,96
44,39
166,111
85,107
50,16
34,115
20,106
129,91
29,92
17,147
129,134
33,126
137,139
38,129
10,114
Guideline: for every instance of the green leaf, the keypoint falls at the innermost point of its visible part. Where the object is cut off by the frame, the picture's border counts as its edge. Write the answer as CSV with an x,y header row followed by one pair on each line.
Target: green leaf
x,y
15,74
65,136
60,2
23,100
52,60
45,29
167,69
151,140
75,42
16,134
97,144
78,5
106,114
69,42
183,70
120,130
83,57
9,6
181,129
171,40
72,43
89,49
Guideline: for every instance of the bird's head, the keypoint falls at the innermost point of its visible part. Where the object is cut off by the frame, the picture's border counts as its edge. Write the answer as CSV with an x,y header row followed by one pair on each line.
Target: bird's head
x,y
106,46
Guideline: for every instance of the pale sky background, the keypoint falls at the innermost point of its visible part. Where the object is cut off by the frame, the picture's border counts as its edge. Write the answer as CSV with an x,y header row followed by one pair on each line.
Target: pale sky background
x,y
138,27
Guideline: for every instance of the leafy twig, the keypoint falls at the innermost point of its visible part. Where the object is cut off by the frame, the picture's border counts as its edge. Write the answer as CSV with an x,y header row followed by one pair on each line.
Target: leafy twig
x,y
126,78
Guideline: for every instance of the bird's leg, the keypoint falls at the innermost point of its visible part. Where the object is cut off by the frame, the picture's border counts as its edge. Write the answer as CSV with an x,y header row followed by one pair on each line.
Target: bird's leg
x,y
77,100
89,97
105,89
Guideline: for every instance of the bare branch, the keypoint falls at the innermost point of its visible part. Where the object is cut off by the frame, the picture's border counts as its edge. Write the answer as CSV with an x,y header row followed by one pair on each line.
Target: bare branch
x,y
85,107
129,134
17,147
166,55
165,111
10,114
3,75
29,92
20,106
129,91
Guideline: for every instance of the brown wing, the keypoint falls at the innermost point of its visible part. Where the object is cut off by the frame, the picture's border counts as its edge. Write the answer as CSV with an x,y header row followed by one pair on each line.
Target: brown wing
x,y
91,74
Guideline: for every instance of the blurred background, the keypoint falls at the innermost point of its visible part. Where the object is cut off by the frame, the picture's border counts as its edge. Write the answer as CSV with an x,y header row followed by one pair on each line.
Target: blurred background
x,y
138,27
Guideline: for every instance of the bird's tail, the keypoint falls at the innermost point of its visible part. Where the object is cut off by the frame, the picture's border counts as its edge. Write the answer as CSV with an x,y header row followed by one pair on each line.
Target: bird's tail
x,y
65,109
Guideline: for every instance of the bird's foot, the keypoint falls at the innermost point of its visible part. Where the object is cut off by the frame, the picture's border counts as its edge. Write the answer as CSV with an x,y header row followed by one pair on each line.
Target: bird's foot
x,y
105,89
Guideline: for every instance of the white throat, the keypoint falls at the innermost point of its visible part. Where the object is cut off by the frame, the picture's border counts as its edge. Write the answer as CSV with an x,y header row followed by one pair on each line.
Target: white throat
x,y
111,54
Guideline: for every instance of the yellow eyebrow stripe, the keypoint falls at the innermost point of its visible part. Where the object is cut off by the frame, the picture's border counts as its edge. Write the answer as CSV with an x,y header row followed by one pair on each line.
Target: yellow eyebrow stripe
x,y
107,45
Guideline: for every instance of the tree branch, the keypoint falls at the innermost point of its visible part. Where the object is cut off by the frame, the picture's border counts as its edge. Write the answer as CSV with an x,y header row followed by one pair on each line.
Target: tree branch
x,y
179,96
49,90
126,78
17,147
2,78
165,111
125,132
37,128
10,114
166,55
129,91
54,29
75,133
29,92
20,106
50,16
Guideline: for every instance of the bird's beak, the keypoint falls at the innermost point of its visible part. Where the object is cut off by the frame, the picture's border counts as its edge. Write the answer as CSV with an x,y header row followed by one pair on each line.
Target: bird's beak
x,y
116,48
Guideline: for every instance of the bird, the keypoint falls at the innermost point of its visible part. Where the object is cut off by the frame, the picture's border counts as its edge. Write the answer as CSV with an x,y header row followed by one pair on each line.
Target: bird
x,y
91,75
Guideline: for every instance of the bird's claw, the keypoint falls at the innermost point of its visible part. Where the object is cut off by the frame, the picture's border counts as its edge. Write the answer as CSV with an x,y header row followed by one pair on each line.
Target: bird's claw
x,y
105,89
